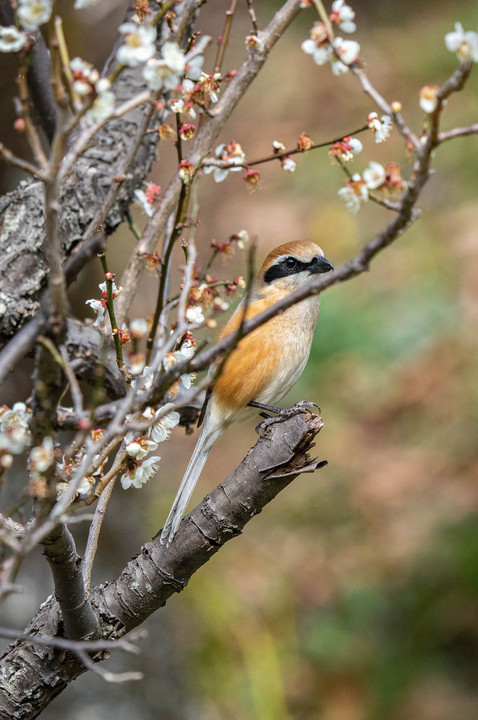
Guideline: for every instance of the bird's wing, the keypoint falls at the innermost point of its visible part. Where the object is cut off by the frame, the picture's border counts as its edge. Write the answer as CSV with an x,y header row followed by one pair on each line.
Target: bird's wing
x,y
204,406
251,365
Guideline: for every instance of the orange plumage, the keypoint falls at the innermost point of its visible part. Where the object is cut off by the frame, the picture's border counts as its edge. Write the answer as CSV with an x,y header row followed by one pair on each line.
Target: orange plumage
x,y
266,363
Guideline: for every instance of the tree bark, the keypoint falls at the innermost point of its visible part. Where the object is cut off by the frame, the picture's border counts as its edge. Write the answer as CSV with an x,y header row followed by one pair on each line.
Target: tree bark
x,y
31,676
23,269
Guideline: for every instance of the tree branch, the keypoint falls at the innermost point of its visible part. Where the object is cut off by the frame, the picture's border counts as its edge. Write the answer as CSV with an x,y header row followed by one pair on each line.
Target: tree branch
x,y
202,145
23,269
78,617
32,675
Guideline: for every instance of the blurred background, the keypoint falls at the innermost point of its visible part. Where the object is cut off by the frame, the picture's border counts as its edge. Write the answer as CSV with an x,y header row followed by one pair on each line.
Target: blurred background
x,y
354,596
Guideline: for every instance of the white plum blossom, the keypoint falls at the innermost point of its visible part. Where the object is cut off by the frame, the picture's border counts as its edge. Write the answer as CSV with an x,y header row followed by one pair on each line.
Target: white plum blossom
x,y
41,457
67,472
138,447
219,173
140,196
348,52
161,429
278,146
345,149
174,57
188,348
104,104
81,4
206,85
158,75
177,105
194,66
138,46
140,473
137,363
84,75
14,431
33,13
83,488
254,43
6,460
85,485
356,146
354,193
195,315
343,15
114,289
133,448
173,358
381,127
374,175
139,328
102,85
143,382
320,47
187,380
18,416
12,39
232,154
220,304
320,53
242,239
78,65
465,44
167,71
288,164
428,98
14,440
99,306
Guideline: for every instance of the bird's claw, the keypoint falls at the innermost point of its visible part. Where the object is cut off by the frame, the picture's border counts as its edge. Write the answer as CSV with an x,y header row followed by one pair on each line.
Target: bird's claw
x,y
303,406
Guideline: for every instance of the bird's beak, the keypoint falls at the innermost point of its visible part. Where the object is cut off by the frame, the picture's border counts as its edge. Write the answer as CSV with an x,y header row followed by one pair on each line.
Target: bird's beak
x,y
320,265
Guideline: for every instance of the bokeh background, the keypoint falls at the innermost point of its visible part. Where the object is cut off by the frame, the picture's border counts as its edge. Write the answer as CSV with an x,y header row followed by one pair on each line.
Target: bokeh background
x,y
354,595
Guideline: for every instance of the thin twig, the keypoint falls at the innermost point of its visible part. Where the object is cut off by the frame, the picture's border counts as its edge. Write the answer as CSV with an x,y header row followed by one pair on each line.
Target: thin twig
x,y
75,645
87,135
454,84
24,165
283,153
94,533
30,129
202,144
106,675
457,132
252,13
224,38
385,107
181,213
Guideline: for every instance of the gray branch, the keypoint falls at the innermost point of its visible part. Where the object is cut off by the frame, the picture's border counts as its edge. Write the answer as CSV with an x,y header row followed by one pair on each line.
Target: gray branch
x,y
23,268
32,675
79,620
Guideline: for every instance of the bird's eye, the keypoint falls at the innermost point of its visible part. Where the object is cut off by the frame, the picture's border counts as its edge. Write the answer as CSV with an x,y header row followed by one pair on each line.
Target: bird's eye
x,y
290,262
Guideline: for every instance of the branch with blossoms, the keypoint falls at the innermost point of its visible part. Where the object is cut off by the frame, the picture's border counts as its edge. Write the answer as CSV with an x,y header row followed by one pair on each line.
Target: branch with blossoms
x,y
156,88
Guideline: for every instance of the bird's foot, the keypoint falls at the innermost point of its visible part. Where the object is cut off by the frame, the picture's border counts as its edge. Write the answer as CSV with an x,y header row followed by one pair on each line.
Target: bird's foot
x,y
281,414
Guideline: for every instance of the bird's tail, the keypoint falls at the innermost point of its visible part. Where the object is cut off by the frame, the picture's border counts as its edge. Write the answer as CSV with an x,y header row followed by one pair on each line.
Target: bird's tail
x,y
188,483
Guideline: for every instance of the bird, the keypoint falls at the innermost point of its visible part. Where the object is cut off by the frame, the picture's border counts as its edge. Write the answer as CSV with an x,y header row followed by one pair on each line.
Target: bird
x,y
265,364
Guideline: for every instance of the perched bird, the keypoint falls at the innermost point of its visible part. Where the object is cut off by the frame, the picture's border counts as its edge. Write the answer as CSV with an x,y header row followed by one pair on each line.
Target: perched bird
x,y
265,364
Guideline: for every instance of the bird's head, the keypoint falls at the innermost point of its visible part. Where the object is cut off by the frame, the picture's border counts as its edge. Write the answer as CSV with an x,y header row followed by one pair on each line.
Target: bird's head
x,y
290,265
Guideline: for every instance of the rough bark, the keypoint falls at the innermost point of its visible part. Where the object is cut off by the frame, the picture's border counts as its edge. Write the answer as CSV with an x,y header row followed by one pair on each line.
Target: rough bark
x,y
31,676
23,268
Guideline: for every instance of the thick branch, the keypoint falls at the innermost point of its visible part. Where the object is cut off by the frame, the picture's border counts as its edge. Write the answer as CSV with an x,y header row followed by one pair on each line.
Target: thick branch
x,y
31,675
79,620
23,269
